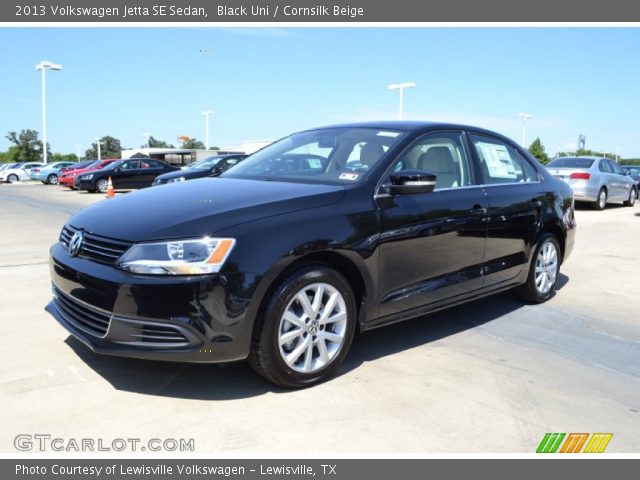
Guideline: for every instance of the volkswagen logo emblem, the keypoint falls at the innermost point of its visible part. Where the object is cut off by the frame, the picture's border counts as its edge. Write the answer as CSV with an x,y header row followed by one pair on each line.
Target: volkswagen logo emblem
x,y
75,243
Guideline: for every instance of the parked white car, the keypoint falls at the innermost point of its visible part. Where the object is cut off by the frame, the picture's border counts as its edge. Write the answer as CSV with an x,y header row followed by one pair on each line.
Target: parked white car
x,y
18,173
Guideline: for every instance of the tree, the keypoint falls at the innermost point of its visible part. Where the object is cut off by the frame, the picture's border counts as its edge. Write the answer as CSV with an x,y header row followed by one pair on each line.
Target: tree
x,y
26,148
110,148
68,157
192,143
154,143
537,150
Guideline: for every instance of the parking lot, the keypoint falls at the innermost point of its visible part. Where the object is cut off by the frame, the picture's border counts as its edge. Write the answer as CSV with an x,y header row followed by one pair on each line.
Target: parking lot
x,y
490,376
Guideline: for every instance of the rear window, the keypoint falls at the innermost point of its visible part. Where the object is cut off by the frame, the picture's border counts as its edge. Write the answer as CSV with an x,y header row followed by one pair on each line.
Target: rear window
x,y
571,163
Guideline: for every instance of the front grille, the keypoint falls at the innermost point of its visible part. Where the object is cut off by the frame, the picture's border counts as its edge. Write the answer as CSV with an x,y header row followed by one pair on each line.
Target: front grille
x,y
159,334
88,319
95,247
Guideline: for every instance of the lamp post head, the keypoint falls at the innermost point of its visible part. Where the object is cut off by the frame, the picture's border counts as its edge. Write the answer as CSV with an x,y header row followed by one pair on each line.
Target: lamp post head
x,y
48,65
524,116
396,86
207,112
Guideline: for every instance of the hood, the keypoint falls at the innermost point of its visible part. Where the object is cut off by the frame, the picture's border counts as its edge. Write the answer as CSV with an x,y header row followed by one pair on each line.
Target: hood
x,y
187,173
199,207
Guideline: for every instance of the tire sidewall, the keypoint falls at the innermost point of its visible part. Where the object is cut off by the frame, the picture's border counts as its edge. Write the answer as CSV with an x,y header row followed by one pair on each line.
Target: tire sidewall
x,y
604,205
275,309
531,280
13,178
99,182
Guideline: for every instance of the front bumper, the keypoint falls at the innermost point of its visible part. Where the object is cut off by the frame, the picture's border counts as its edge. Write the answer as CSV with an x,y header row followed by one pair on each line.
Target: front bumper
x,y
186,319
84,184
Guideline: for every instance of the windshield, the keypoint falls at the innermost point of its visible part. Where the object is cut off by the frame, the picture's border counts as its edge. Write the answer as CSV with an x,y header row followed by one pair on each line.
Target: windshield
x,y
205,164
332,155
571,163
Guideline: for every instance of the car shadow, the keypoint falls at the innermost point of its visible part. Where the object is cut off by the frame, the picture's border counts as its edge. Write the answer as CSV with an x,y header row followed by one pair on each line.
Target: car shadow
x,y
237,380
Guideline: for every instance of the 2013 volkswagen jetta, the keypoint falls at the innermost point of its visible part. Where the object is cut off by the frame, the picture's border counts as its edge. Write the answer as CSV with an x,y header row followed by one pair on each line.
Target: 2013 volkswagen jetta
x,y
322,234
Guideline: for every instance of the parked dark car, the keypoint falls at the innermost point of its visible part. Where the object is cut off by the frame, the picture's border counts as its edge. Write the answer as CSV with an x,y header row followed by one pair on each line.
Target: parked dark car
x,y
125,174
634,172
280,260
209,167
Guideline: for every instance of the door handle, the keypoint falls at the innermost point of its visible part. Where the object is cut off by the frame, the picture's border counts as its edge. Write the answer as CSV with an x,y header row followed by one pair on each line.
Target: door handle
x,y
536,203
478,210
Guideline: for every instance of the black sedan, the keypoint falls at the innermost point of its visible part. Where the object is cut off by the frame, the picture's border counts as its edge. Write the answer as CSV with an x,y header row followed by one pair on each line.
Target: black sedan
x,y
328,232
209,167
124,174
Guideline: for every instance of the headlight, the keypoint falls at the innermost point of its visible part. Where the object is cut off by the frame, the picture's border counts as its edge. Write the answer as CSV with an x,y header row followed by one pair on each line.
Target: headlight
x,y
179,179
178,257
86,177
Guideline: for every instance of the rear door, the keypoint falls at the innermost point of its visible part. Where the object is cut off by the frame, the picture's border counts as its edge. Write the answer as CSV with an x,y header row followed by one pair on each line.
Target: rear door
x,y
515,196
149,170
127,174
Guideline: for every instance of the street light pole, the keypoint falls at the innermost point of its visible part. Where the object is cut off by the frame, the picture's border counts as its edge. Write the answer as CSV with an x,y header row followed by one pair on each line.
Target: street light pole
x,y
147,136
98,143
43,67
401,87
207,114
525,117
78,147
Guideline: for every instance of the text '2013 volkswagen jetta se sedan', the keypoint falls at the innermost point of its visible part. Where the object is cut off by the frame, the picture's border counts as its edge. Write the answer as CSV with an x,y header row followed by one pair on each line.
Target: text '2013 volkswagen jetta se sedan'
x,y
322,234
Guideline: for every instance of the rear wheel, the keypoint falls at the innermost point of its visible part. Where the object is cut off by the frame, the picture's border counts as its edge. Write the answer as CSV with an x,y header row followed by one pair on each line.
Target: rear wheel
x,y
52,179
102,185
632,198
601,201
543,273
306,329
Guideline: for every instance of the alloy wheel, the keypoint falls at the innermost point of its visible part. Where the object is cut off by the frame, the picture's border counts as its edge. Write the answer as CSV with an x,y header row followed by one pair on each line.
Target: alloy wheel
x,y
312,328
546,267
602,199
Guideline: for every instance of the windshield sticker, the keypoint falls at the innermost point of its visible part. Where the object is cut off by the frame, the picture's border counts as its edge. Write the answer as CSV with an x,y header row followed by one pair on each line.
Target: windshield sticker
x,y
388,134
348,176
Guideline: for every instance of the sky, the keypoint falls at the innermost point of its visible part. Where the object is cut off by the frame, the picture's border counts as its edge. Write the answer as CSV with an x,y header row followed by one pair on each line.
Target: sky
x,y
265,83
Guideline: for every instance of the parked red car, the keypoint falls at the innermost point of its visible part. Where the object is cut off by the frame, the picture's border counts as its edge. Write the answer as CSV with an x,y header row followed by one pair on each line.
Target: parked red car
x,y
68,178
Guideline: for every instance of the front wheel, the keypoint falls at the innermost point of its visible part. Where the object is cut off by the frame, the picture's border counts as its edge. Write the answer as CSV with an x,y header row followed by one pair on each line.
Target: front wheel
x,y
306,329
544,270
13,178
632,198
102,185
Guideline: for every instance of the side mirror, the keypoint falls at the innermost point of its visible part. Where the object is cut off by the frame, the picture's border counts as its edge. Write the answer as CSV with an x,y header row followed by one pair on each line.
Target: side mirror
x,y
406,182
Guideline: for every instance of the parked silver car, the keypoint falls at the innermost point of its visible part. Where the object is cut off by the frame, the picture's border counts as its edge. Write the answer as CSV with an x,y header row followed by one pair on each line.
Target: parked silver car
x,y
596,180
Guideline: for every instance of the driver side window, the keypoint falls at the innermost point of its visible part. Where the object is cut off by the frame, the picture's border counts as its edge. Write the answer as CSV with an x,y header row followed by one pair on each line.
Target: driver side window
x,y
441,153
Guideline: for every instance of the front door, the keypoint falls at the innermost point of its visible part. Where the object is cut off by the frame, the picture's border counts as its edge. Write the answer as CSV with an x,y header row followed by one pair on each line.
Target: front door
x,y
432,244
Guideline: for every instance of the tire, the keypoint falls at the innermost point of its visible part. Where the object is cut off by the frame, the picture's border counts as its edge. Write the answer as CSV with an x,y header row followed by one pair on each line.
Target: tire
x,y
632,198
308,357
52,179
545,267
13,178
601,202
102,185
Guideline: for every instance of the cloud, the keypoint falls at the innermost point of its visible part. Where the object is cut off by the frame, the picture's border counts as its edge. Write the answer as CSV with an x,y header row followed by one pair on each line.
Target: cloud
x,y
261,32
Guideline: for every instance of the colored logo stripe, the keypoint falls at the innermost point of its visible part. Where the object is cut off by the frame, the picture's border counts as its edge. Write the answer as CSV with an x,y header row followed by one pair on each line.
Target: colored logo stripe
x,y
598,442
574,443
550,443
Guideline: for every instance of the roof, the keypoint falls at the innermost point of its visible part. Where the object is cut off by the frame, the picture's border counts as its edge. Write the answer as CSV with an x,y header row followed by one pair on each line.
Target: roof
x,y
408,125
